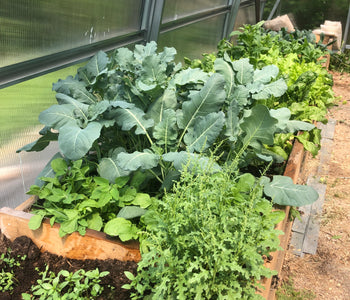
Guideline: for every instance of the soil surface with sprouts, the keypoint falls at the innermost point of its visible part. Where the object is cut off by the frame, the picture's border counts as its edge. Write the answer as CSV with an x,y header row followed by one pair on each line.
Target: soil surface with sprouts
x,y
27,273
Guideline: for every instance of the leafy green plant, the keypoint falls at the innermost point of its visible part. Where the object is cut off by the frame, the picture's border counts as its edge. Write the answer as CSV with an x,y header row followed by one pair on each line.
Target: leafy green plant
x,y
7,275
67,285
138,114
79,201
253,41
206,240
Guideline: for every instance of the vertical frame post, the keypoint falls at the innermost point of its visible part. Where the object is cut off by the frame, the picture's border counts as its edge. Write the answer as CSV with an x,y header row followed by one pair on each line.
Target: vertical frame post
x,y
231,18
346,31
152,18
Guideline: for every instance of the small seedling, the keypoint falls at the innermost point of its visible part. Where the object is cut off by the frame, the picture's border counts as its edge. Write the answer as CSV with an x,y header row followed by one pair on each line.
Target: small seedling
x,y
7,275
67,285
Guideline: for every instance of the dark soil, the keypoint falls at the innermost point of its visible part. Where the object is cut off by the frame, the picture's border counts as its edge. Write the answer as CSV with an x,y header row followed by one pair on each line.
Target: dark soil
x,y
27,275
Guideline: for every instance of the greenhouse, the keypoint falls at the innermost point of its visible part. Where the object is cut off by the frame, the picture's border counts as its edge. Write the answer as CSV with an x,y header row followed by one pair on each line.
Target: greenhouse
x,y
170,149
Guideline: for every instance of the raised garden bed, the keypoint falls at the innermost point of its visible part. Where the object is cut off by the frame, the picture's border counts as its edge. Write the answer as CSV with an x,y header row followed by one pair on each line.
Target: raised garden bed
x,y
292,170
96,245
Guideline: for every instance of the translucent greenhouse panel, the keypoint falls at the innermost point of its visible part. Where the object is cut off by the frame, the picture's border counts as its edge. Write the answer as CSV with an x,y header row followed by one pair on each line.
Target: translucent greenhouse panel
x,y
193,40
20,106
176,9
30,29
245,15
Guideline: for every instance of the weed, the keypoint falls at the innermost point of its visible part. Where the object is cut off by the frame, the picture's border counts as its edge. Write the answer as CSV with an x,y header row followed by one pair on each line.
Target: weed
x,y
287,291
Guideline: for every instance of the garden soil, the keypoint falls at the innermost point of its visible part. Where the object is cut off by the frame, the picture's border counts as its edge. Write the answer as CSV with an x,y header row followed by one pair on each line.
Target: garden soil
x,y
27,275
326,274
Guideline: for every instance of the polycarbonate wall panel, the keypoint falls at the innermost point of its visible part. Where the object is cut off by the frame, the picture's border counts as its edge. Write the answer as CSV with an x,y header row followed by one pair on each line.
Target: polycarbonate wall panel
x,y
30,29
176,9
193,40
20,106
245,15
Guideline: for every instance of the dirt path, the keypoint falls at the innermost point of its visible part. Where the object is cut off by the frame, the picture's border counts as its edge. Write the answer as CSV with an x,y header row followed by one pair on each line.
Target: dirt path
x,y
327,273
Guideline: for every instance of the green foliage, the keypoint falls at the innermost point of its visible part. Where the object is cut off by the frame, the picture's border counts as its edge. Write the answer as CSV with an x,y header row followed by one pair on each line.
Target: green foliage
x,y
206,240
340,62
253,41
140,112
296,55
283,191
79,201
8,265
67,285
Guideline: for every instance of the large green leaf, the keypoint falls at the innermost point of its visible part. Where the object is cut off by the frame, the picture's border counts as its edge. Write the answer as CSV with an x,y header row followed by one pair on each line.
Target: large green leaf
x,y
131,212
133,161
204,132
95,222
275,88
192,161
57,116
128,118
75,142
285,125
166,131
189,76
244,71
283,191
240,95
142,51
153,72
168,54
41,143
108,167
225,69
122,228
81,94
266,74
80,109
209,99
166,101
74,88
97,109
232,121
124,59
96,66
259,126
